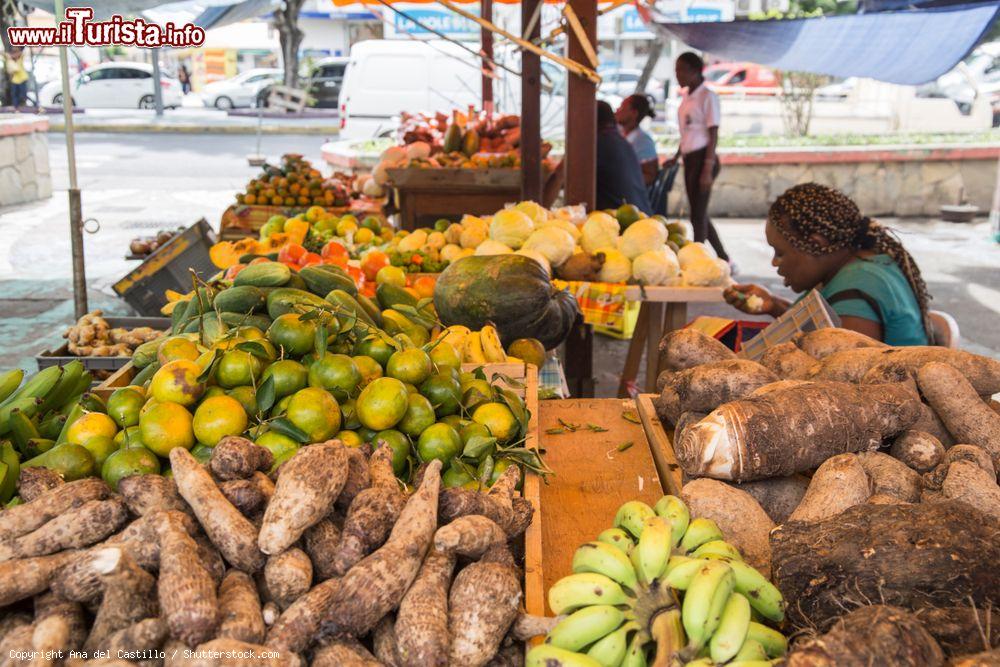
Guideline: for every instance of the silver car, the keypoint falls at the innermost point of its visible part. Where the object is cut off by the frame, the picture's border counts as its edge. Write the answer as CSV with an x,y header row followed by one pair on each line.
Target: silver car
x,y
239,91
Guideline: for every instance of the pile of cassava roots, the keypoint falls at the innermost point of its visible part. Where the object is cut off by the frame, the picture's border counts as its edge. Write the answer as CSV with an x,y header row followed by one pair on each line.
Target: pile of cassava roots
x,y
326,561
861,477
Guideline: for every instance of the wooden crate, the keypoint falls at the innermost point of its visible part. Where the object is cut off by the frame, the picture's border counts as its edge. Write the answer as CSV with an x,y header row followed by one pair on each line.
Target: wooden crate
x,y
660,445
241,220
120,378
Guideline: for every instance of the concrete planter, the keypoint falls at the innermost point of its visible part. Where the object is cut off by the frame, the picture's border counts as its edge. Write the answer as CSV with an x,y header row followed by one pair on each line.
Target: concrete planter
x,y
24,159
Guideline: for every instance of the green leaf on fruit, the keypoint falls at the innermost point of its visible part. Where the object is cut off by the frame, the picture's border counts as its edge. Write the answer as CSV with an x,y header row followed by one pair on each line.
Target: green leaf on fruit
x,y
265,395
478,444
254,348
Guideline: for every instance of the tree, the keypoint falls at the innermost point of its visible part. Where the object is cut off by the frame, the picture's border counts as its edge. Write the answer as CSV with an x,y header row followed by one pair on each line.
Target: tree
x,y
798,90
8,17
286,20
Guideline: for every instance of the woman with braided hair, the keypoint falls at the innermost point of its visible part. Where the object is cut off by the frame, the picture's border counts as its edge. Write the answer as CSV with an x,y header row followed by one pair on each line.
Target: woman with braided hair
x,y
821,240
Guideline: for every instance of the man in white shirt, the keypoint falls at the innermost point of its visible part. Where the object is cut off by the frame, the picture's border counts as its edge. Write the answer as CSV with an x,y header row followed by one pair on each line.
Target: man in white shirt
x,y
698,120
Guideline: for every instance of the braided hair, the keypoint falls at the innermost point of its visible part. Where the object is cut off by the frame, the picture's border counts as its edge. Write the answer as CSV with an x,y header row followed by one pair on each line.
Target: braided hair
x,y
819,220
642,104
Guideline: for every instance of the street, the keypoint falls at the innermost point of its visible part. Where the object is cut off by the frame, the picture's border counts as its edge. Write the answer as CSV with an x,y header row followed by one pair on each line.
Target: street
x,y
136,184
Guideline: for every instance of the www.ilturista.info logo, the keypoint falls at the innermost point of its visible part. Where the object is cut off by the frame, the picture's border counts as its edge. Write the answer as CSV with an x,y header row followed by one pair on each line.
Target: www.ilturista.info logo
x,y
79,30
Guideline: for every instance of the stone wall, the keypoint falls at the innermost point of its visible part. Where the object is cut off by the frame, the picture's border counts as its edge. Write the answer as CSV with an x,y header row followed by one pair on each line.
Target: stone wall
x,y
24,159
892,183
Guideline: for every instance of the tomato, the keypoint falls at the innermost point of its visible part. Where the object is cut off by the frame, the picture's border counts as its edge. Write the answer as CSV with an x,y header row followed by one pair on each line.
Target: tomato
x,y
291,253
333,249
372,262
233,270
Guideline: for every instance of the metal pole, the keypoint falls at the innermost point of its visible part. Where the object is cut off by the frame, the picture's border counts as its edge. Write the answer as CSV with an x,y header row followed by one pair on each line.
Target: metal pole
x,y
581,115
531,106
486,11
75,209
157,92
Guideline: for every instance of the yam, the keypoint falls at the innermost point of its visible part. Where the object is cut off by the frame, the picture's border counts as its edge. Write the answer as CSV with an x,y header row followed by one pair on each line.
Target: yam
x,y
240,616
469,536
740,518
371,515
919,450
320,542
891,477
358,478
482,604
787,361
60,627
21,519
981,659
237,458
33,482
888,372
288,576
793,430
523,512
185,589
688,419
930,422
78,527
16,646
148,493
22,578
913,556
962,630
706,387
384,642
146,635
497,505
422,637
871,635
343,653
681,349
972,454
233,653
297,626
210,558
307,486
127,597
245,495
822,343
230,531
780,385
778,497
270,612
968,419
839,483
982,372
528,626
376,585
971,484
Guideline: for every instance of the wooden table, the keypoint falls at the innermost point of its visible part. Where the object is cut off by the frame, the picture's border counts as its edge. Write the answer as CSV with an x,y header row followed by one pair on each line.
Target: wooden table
x,y
592,479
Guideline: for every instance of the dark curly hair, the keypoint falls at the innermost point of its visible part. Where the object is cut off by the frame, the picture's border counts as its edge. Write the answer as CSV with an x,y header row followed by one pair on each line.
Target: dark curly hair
x,y
642,104
819,220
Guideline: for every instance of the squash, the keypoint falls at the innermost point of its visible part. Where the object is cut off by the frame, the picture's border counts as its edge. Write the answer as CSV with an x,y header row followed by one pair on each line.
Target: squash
x,y
512,292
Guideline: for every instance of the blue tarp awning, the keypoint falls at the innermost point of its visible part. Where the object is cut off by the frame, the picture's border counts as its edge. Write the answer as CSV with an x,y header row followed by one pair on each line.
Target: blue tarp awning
x,y
909,47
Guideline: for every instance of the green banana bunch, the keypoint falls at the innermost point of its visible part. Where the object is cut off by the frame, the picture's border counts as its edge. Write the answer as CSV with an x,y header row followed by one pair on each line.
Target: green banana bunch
x,y
9,382
661,582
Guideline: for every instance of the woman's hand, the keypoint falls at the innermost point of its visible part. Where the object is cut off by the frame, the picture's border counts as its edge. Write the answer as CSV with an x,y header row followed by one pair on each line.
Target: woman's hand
x,y
707,177
752,299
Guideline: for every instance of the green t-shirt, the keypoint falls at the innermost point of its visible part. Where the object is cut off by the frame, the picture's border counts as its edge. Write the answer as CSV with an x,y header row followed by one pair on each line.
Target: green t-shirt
x,y
880,278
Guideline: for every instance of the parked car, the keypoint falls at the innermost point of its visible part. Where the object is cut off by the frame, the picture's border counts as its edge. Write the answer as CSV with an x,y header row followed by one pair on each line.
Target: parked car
x,y
838,90
114,85
322,82
977,75
742,78
239,91
620,83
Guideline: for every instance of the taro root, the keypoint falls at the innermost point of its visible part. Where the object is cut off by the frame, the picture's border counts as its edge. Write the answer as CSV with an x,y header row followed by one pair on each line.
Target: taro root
x,y
956,400
21,519
384,645
232,652
186,589
127,596
778,496
681,349
469,536
890,476
237,458
297,626
358,478
919,450
983,373
706,387
740,518
787,361
148,493
33,482
22,578
288,576
422,619
78,527
482,605
60,625
824,342
321,541
962,630
914,556
145,635
240,614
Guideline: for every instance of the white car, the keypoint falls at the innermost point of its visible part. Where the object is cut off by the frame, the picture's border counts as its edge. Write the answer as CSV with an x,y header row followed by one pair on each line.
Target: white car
x,y
114,85
620,83
239,91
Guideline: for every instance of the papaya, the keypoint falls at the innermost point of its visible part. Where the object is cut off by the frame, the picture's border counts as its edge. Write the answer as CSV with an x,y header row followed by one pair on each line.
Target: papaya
x,y
284,300
452,139
390,296
71,461
340,298
265,274
321,281
296,282
371,308
394,322
242,299
261,322
470,143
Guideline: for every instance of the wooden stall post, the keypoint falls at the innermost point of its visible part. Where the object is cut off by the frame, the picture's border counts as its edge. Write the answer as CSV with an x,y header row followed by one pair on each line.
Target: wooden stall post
x,y
486,36
581,113
531,105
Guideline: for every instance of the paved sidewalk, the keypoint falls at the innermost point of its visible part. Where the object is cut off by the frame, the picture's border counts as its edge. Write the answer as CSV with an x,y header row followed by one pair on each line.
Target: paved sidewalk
x,y
199,121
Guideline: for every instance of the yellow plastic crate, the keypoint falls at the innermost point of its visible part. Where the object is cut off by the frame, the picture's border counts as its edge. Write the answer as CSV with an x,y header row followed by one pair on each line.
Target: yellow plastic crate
x,y
625,327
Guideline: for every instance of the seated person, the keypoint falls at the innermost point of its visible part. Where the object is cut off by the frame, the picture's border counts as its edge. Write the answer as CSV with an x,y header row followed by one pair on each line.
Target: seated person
x,y
821,240
619,176
630,115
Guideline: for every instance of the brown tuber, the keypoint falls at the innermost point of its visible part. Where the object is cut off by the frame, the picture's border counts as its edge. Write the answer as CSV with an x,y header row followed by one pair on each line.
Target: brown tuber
x,y
681,349
787,361
968,418
421,628
288,576
33,482
778,496
482,605
824,342
186,589
706,387
237,458
240,616
919,450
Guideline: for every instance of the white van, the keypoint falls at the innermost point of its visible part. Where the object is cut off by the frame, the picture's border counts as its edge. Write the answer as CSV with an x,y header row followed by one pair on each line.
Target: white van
x,y
387,77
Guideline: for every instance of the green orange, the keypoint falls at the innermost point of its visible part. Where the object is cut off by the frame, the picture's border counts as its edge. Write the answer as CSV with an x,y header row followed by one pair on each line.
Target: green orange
x,y
382,404
100,447
399,444
455,477
217,417
350,439
412,365
337,374
124,405
498,418
238,368
89,425
316,412
166,426
127,462
177,382
176,347
288,331
444,393
419,415
247,398
289,376
444,356
280,445
376,348
439,441
368,367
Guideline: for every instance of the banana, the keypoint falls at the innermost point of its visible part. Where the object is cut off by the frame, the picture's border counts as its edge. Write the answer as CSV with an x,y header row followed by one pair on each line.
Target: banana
x,y
653,549
63,389
25,404
472,350
22,430
673,510
455,335
584,589
704,601
732,631
38,385
635,656
700,662
681,570
617,538
717,548
764,597
610,650
9,382
698,533
492,347
74,413
607,560
667,631
50,426
774,643
751,650
631,516
546,655
585,626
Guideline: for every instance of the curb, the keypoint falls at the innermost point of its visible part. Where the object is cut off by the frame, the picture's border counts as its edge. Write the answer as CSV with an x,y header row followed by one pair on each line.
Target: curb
x,y
332,130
